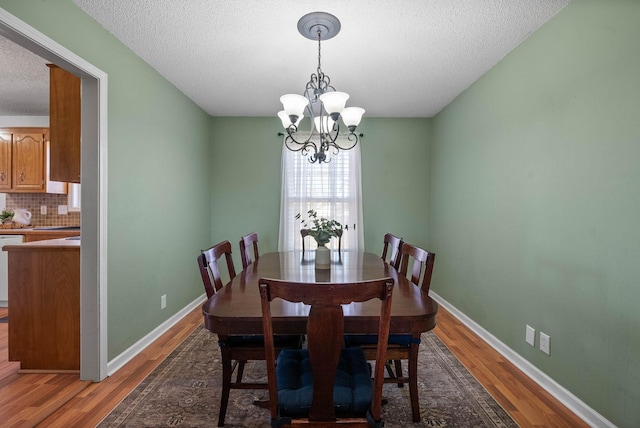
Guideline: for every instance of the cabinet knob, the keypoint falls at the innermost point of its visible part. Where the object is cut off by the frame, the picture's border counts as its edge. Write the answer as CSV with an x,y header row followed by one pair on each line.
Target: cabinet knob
x,y
22,176
2,176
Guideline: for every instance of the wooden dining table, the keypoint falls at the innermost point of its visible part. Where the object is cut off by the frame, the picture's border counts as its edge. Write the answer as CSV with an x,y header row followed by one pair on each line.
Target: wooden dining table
x,y
235,309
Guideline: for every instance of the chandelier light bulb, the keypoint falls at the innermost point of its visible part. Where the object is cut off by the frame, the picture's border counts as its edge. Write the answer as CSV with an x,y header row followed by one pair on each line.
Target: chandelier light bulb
x,y
294,106
327,124
334,102
351,116
286,120
284,117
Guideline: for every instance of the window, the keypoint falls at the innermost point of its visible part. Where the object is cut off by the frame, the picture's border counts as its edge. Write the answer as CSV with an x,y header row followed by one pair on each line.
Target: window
x,y
73,197
333,189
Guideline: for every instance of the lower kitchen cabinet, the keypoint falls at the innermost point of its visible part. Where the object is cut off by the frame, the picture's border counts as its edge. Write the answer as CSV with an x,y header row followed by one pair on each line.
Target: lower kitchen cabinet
x,y
44,293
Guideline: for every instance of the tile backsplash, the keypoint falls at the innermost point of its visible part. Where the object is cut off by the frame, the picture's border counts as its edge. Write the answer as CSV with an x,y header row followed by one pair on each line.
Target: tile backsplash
x,y
33,202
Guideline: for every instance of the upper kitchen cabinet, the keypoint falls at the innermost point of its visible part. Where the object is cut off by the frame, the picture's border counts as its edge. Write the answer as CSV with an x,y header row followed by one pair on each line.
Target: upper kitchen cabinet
x,y
5,161
64,125
28,161
23,162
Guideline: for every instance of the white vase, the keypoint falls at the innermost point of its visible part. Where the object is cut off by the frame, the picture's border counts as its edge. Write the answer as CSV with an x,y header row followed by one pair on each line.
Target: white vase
x,y
323,257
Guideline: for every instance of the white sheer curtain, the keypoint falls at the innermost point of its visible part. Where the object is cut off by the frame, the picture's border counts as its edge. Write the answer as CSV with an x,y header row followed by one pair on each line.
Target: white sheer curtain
x,y
333,189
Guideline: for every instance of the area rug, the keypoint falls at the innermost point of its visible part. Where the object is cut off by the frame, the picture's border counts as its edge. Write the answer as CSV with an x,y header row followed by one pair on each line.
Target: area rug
x,y
184,391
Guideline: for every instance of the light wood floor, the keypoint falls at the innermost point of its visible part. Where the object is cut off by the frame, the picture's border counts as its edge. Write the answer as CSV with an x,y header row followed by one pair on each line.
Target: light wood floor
x,y
45,400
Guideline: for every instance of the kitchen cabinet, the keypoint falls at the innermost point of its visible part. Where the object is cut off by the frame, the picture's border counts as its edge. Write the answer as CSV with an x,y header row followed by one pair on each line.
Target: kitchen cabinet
x,y
24,166
44,294
18,236
5,161
4,270
64,124
27,163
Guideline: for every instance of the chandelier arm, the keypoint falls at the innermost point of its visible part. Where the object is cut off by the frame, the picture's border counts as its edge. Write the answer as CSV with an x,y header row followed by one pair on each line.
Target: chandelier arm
x,y
295,146
306,148
332,135
312,85
334,148
291,130
353,137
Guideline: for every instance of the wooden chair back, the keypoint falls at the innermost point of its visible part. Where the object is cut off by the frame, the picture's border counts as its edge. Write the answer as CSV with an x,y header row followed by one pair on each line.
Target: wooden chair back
x,y
325,328
304,233
209,269
248,242
422,265
392,246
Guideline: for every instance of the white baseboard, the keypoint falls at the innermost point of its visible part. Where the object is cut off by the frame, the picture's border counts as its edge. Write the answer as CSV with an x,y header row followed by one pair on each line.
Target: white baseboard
x,y
573,403
122,359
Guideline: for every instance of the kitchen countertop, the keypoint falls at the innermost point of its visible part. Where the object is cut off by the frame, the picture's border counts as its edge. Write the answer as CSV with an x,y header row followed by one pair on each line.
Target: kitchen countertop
x,y
41,229
44,238
49,244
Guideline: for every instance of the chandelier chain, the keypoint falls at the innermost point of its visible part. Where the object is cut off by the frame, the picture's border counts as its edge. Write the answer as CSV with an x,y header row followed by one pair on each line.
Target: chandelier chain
x,y
319,39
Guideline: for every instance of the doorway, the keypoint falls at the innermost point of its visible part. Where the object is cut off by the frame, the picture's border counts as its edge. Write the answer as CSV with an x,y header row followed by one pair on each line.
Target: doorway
x,y
93,251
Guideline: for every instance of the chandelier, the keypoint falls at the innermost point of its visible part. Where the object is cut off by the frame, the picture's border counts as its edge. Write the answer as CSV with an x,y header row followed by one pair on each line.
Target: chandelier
x,y
321,102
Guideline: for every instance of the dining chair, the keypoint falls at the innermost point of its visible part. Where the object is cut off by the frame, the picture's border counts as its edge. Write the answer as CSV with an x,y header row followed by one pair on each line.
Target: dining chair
x,y
305,232
235,350
246,243
403,346
392,245
325,383
209,270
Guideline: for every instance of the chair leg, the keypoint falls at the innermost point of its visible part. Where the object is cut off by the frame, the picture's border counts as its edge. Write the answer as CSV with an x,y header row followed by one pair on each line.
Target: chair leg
x,y
398,364
227,371
240,371
390,372
413,382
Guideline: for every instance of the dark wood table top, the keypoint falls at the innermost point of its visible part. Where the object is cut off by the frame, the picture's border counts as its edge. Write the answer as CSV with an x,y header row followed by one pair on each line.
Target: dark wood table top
x,y
235,308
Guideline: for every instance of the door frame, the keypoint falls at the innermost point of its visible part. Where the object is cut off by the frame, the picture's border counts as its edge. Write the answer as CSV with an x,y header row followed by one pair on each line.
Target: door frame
x,y
93,250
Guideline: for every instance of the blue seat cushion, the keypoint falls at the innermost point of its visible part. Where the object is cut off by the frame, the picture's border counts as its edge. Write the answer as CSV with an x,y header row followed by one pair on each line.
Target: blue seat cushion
x,y
351,393
280,341
369,339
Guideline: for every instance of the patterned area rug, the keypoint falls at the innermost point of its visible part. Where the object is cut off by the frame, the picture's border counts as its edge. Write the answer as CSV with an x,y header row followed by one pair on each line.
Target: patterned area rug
x,y
184,391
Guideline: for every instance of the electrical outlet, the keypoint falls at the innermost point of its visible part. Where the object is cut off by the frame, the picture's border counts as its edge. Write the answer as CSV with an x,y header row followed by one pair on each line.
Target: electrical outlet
x,y
544,343
163,301
531,336
63,209
43,209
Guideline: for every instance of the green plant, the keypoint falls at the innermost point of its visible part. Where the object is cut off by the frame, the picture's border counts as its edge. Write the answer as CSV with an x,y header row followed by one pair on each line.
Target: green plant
x,y
6,214
323,229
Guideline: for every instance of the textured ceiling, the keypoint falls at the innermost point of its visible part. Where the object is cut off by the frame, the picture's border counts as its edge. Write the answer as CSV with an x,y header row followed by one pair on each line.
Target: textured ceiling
x,y
395,58
24,82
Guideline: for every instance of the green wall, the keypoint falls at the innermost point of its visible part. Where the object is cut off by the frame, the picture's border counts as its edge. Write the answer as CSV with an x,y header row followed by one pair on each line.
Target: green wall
x,y
246,180
395,180
535,179
158,175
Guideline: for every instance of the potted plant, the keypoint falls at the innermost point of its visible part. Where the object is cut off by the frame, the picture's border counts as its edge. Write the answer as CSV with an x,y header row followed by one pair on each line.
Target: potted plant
x,y
6,216
322,230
